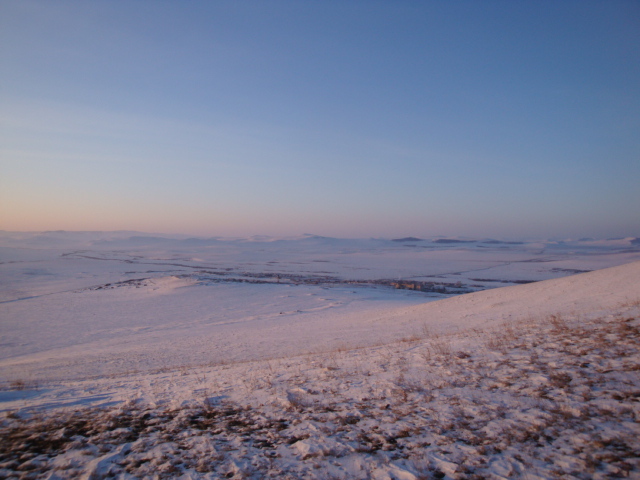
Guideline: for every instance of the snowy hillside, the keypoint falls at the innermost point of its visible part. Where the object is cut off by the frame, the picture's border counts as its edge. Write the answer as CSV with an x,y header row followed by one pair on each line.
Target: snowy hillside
x,y
85,304
173,377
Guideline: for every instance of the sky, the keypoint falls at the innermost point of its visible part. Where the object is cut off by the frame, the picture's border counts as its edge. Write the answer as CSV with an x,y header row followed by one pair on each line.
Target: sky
x,y
341,118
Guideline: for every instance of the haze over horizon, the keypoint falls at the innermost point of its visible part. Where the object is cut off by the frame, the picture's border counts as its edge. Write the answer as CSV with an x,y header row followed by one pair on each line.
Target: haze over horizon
x,y
346,119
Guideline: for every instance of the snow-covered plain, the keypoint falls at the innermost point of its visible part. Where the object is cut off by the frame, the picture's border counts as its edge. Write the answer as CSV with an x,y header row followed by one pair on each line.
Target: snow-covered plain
x,y
139,356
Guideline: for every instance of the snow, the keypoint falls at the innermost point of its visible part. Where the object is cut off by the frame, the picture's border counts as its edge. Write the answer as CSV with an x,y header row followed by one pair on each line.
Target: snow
x,y
127,356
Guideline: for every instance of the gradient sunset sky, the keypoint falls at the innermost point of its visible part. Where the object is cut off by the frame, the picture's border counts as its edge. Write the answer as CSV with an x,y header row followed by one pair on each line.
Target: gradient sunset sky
x,y
342,118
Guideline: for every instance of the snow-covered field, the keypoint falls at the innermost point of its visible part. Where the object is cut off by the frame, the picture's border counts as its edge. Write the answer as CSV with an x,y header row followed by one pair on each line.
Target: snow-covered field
x,y
136,356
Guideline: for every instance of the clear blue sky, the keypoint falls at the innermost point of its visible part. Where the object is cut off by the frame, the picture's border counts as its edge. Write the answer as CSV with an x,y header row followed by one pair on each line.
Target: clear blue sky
x,y
343,118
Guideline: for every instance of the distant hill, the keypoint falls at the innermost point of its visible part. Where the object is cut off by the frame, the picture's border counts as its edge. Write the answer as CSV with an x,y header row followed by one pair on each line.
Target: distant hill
x,y
407,239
